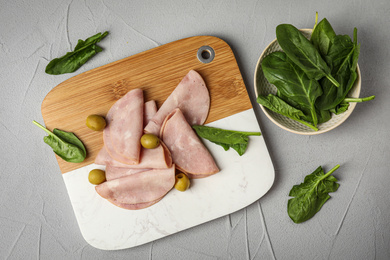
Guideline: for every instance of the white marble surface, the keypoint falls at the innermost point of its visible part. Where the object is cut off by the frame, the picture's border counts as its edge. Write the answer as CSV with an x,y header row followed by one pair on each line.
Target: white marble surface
x,y
241,181
36,216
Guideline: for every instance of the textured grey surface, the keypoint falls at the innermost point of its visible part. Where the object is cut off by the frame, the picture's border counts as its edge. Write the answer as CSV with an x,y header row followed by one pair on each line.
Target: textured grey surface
x,y
36,217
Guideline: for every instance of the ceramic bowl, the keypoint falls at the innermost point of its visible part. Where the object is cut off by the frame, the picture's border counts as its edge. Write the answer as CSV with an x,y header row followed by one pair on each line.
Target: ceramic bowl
x,y
263,87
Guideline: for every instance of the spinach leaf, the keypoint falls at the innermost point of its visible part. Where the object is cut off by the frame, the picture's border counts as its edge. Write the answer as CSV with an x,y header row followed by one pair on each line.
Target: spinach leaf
x,y
70,62
342,57
65,144
70,138
310,195
226,138
278,105
323,116
322,36
340,108
292,83
343,106
303,53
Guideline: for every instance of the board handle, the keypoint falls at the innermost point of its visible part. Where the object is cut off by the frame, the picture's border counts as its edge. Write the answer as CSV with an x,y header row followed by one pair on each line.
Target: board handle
x,y
206,54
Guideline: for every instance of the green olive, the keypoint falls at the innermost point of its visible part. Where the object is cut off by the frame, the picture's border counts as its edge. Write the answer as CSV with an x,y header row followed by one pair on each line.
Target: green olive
x,y
97,176
96,122
182,182
150,141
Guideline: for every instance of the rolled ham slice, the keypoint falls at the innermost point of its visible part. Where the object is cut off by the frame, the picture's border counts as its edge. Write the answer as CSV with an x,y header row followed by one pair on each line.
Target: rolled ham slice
x,y
187,151
191,96
125,128
159,158
144,187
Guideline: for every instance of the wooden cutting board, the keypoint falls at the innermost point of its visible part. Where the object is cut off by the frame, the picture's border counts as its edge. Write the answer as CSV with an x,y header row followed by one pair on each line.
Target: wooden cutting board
x,y
157,71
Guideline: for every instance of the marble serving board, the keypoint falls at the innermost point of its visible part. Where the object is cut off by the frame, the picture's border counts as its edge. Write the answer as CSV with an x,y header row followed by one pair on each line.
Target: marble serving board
x,y
241,181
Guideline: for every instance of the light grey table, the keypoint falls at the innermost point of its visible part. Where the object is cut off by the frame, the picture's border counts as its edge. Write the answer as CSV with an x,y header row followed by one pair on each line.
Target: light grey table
x,y
36,217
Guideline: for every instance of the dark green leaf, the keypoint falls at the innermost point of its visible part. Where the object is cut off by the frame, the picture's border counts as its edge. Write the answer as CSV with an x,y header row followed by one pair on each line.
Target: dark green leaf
x,y
340,108
342,58
237,140
65,144
292,83
71,138
240,148
311,195
224,146
279,106
303,53
70,62
323,116
322,36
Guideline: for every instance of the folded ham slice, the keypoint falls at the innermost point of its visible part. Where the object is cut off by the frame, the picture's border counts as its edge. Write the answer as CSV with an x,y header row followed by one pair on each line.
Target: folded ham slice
x,y
144,187
191,96
135,206
113,172
125,128
187,151
159,157
150,109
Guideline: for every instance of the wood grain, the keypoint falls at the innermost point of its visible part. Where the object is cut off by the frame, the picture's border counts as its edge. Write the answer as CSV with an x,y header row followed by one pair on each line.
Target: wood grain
x,y
157,71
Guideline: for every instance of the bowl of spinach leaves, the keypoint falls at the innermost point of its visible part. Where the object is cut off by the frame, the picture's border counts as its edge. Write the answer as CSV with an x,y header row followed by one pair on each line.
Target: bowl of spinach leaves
x,y
308,81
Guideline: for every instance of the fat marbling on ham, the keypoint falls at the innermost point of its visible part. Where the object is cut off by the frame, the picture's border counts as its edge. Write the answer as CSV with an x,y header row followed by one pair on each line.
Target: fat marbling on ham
x,y
187,150
191,96
125,128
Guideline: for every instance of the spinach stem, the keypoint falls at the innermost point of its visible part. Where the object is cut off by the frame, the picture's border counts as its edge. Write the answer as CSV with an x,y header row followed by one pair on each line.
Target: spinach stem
x,y
316,21
332,170
333,80
359,99
42,127
355,36
247,133
307,124
314,115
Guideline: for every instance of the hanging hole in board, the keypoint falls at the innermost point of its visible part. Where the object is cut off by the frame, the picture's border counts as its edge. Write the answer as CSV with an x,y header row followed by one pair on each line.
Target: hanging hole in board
x,y
206,54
